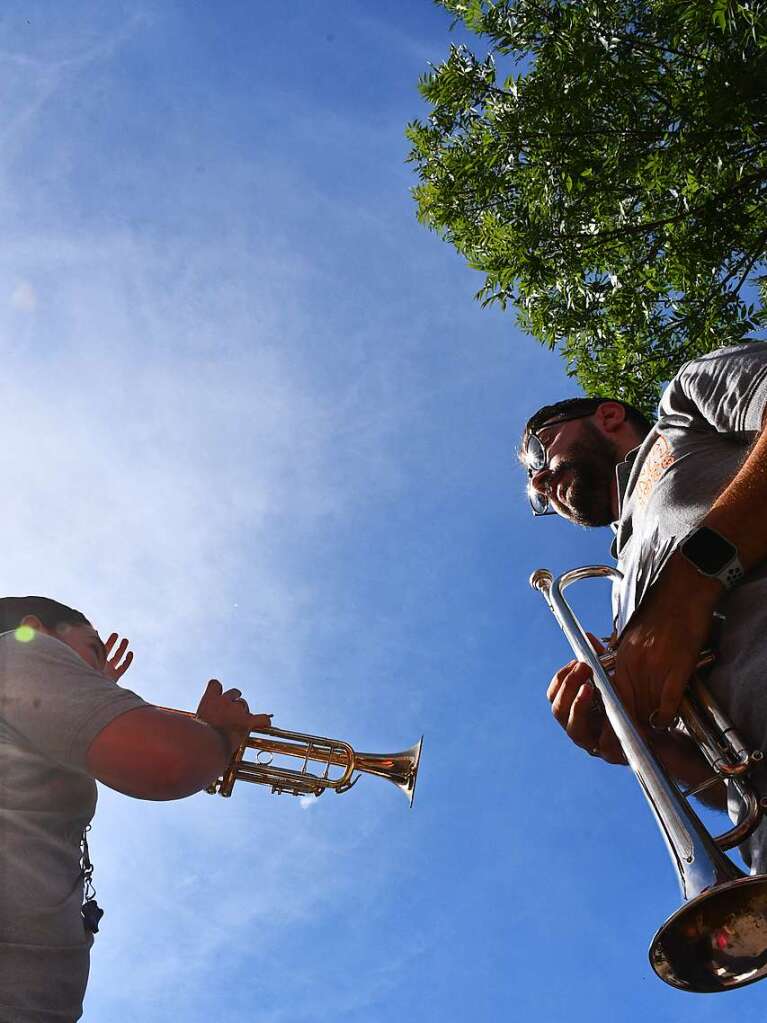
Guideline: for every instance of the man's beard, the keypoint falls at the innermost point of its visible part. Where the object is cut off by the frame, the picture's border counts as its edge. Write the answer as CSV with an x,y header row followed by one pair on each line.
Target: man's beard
x,y
592,464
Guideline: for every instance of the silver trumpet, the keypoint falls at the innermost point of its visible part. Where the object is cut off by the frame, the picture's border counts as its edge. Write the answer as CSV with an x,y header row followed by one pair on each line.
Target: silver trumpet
x,y
717,940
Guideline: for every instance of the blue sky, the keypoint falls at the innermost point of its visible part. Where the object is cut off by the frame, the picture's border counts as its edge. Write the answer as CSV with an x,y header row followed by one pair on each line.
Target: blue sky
x,y
255,421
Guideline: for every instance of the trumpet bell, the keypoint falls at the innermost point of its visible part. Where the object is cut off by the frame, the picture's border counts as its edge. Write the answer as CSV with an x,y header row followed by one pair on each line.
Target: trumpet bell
x,y
401,769
716,941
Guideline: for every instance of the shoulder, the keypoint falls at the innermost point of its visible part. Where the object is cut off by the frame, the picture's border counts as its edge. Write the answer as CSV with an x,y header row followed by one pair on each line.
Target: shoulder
x,y
748,353
724,390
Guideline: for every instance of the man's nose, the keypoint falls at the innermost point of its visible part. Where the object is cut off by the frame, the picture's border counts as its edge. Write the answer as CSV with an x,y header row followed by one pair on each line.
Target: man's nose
x,y
540,480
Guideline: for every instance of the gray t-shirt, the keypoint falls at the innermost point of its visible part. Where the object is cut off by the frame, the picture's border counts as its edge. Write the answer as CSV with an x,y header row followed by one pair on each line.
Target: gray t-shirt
x,y
709,416
52,705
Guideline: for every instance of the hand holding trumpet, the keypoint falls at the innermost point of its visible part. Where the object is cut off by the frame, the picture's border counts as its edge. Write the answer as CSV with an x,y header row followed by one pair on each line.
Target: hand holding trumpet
x,y
228,712
577,707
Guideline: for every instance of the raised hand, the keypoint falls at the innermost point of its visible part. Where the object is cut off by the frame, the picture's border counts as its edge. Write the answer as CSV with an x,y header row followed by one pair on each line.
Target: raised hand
x,y
118,659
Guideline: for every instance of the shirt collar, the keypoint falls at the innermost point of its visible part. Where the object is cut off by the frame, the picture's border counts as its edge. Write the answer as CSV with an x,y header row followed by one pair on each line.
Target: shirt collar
x,y
622,474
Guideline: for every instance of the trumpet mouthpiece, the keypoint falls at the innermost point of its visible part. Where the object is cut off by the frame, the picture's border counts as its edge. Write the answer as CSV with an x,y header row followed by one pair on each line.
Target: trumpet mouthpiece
x,y
541,579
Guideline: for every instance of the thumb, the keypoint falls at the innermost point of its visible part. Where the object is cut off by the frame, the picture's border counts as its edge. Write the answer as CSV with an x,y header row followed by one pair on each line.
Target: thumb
x,y
260,721
212,690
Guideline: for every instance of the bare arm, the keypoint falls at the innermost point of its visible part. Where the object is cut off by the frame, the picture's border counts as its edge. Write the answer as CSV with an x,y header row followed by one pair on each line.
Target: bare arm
x,y
659,648
154,753
738,512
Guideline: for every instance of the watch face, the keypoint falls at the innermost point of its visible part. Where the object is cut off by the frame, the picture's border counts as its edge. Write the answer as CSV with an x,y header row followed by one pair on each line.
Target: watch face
x,y
708,550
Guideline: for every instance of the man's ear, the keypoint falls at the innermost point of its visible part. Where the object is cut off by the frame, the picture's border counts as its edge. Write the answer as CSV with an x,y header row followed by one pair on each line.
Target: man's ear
x,y
33,622
610,416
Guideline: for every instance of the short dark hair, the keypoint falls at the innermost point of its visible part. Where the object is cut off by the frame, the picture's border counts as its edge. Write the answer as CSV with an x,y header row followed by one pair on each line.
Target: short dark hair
x,y
13,611
573,406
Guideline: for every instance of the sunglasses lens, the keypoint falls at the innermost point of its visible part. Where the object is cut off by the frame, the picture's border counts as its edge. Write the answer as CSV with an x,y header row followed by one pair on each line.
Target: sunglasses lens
x,y
538,502
535,455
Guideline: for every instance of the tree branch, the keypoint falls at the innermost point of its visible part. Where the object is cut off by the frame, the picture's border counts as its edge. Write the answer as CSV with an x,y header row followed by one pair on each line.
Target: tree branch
x,y
757,252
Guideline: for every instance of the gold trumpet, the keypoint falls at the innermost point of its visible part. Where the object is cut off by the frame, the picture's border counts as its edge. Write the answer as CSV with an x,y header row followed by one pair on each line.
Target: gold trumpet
x,y
717,940
401,769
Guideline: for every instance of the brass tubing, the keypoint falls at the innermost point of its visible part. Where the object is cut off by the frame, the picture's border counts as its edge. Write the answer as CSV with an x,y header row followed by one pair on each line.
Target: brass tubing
x,y
336,752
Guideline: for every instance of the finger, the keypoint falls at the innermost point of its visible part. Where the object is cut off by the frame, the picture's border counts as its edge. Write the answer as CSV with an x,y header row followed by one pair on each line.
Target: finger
x,y
567,681
557,678
563,675
579,675
120,671
582,727
110,643
671,696
213,688
237,698
117,655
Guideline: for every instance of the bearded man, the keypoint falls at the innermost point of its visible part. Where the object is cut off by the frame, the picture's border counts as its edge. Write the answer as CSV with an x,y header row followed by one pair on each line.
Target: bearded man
x,y
686,498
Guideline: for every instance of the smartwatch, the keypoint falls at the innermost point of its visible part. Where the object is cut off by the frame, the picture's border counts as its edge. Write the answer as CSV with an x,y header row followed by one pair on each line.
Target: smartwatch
x,y
712,555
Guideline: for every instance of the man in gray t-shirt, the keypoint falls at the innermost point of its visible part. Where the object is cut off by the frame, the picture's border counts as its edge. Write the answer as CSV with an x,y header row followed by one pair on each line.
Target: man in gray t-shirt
x,y
64,722
686,499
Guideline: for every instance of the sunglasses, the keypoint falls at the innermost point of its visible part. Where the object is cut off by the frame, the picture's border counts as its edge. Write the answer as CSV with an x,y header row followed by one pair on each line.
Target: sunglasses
x,y
537,459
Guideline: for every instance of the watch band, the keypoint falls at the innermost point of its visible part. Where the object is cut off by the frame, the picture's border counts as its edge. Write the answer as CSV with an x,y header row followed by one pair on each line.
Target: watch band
x,y
713,555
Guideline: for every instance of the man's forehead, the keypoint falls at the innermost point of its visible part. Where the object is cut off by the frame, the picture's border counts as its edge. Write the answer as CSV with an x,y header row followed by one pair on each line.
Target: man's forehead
x,y
554,421
548,424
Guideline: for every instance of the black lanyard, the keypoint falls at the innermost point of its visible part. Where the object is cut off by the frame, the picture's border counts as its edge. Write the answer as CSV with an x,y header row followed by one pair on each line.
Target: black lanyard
x,y
92,912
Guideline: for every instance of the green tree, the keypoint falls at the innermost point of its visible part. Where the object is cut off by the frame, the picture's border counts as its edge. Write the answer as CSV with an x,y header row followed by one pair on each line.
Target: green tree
x,y
604,165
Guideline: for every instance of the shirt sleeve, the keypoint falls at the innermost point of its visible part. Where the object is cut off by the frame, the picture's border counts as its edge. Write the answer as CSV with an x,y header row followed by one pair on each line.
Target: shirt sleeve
x,y
54,700
724,391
